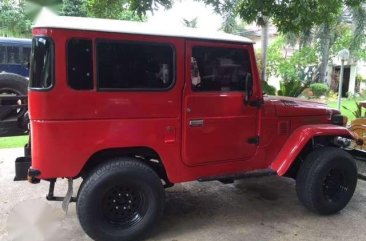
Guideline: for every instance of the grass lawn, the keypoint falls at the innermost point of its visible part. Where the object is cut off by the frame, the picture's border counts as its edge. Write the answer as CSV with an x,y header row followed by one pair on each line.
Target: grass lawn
x,y
14,141
349,104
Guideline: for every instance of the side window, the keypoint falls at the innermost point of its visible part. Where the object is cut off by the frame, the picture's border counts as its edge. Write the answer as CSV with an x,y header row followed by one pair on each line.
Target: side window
x,y
13,55
3,55
80,64
131,65
219,69
25,55
41,63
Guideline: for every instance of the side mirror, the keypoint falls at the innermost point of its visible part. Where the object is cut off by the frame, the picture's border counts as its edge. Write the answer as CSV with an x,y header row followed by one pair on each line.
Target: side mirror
x,y
248,88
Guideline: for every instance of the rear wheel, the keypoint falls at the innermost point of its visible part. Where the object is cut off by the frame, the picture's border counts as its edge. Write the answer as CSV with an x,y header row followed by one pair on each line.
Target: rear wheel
x,y
13,84
326,180
121,199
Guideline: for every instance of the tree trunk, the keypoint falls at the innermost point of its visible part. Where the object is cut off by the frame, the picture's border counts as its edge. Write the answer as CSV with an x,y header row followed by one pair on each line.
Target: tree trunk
x,y
325,47
265,37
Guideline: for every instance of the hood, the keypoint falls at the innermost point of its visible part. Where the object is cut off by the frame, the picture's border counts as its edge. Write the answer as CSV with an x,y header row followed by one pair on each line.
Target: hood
x,y
287,106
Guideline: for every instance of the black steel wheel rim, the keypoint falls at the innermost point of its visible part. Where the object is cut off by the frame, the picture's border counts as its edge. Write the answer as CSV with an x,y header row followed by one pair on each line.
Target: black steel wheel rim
x,y
124,206
335,185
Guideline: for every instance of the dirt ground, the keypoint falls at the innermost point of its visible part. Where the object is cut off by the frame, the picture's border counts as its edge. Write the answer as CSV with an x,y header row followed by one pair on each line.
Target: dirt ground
x,y
252,209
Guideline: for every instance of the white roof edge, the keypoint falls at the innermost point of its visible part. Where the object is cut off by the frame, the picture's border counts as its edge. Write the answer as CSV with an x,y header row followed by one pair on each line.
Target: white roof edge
x,y
129,27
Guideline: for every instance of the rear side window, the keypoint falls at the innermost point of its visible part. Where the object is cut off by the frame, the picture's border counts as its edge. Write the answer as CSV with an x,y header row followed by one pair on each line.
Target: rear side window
x,y
41,72
219,69
131,65
13,55
80,64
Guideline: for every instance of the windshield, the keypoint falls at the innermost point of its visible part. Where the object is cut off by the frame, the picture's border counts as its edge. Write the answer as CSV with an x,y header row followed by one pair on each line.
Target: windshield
x,y
41,63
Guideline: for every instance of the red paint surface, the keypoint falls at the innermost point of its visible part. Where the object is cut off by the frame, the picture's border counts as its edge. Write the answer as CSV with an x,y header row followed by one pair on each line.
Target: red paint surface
x,y
299,138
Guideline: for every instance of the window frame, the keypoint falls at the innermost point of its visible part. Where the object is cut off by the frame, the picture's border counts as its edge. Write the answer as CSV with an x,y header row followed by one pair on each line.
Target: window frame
x,y
223,45
94,66
139,42
53,66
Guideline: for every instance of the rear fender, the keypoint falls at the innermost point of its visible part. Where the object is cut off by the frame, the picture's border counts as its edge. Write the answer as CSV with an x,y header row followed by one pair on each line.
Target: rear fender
x,y
298,140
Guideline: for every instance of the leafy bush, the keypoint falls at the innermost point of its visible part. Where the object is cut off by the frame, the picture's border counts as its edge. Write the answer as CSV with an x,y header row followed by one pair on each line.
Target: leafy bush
x,y
319,89
291,87
268,89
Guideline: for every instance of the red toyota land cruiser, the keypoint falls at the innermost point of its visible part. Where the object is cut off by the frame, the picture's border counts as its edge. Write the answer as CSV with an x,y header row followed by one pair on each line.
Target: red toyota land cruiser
x,y
132,109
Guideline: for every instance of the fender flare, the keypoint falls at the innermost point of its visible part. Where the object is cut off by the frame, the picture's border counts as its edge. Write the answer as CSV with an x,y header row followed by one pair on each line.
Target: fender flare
x,y
298,140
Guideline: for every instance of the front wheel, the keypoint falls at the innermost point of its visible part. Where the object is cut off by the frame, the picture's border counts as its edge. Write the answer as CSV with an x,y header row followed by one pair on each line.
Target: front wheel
x,y
326,180
121,199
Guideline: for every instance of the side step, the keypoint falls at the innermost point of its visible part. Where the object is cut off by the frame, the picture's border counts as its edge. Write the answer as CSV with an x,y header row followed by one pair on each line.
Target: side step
x,y
229,178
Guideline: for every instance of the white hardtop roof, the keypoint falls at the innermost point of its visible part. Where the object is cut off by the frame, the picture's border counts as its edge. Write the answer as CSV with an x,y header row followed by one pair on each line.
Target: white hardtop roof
x,y
129,27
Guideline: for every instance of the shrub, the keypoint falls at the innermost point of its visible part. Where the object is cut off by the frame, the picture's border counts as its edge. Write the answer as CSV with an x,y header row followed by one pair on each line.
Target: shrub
x,y
291,87
319,89
268,89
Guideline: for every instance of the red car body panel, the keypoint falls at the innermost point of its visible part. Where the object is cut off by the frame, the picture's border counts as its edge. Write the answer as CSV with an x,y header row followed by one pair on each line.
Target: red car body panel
x,y
297,141
69,126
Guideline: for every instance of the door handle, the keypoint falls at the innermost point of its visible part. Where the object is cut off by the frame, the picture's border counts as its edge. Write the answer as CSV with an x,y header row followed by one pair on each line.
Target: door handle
x,y
196,123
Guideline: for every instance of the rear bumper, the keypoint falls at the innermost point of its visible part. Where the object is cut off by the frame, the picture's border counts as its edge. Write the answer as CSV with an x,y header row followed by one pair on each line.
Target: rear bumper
x,y
24,171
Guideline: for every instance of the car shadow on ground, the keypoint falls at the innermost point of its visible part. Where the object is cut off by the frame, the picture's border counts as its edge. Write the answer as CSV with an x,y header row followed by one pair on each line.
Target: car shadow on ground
x,y
194,206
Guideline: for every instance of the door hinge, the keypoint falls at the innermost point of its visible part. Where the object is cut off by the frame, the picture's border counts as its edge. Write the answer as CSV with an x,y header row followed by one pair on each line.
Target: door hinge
x,y
254,140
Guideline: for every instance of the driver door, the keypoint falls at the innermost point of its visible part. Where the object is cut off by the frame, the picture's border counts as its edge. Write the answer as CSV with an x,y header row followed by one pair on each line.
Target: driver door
x,y
217,125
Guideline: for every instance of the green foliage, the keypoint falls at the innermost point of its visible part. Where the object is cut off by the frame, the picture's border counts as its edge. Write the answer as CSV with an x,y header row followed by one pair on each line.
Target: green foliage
x,y
13,21
319,89
345,39
289,16
293,67
131,16
74,8
357,112
359,78
123,9
268,89
291,87
105,8
143,6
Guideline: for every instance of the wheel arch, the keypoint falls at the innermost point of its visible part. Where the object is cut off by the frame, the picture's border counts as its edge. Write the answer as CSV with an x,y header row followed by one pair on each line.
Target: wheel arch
x,y
301,142
145,154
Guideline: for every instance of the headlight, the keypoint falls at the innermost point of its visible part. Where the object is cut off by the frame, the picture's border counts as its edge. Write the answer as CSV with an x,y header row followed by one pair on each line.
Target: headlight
x,y
339,120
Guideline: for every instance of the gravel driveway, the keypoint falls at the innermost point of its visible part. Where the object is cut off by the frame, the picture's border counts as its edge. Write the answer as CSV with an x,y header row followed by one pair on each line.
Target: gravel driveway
x,y
252,209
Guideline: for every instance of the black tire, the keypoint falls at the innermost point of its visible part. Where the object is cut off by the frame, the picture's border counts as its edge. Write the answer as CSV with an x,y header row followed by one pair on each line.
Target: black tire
x,y
326,180
13,84
120,200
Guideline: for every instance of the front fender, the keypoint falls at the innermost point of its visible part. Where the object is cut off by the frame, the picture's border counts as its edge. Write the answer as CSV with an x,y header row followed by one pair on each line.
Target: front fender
x,y
299,138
